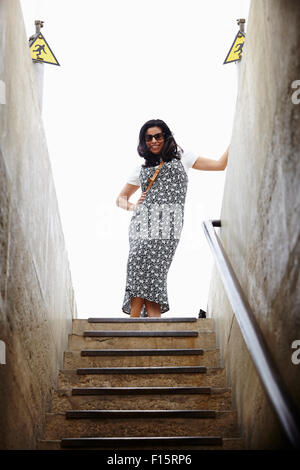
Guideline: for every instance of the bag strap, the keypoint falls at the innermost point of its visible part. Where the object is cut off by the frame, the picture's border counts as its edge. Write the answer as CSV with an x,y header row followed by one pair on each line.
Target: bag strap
x,y
151,180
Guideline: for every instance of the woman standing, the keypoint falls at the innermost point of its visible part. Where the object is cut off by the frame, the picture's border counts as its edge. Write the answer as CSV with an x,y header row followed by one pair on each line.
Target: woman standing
x,y
156,224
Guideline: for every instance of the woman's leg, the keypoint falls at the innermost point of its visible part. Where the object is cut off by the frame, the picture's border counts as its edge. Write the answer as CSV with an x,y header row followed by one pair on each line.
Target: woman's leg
x,y
136,306
153,309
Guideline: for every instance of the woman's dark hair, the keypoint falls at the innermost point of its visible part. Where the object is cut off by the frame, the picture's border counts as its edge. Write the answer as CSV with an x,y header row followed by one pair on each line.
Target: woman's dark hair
x,y
170,148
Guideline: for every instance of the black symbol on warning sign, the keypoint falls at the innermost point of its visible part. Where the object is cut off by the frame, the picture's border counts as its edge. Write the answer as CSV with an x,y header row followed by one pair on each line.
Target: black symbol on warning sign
x,y
39,49
239,49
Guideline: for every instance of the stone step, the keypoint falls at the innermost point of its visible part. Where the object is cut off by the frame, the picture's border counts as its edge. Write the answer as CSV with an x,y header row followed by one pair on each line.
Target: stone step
x,y
213,377
139,334
142,320
142,370
125,391
142,398
57,426
142,352
138,414
140,324
141,358
204,340
143,443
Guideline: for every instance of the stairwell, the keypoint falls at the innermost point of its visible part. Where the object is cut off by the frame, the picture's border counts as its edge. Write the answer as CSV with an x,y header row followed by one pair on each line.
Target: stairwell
x,y
142,384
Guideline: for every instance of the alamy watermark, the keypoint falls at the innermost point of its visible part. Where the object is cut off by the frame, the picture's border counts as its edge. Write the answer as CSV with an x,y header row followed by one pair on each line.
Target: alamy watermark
x,y
158,221
2,352
296,354
296,94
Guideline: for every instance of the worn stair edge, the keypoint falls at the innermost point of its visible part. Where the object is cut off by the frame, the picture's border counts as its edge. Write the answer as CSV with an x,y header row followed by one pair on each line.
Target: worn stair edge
x,y
64,400
132,414
142,370
79,326
140,390
125,441
224,423
74,359
150,334
229,443
214,377
140,320
205,339
142,352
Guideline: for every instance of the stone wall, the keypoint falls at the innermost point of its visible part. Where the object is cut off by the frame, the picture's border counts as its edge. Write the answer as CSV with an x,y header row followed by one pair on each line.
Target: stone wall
x,y
36,296
260,215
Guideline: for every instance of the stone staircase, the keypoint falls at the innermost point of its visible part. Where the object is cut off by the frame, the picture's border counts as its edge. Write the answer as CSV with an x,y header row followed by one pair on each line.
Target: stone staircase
x,y
142,384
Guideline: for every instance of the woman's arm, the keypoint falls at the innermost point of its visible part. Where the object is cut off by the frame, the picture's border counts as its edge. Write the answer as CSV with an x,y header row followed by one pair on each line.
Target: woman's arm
x,y
123,198
207,164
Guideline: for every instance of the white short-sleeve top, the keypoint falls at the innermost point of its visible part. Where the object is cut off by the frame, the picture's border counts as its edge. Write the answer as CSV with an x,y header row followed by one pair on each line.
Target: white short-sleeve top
x,y
187,159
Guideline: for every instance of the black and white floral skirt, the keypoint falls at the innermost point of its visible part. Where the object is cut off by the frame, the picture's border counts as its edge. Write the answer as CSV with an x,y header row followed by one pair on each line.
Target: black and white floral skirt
x,y
154,234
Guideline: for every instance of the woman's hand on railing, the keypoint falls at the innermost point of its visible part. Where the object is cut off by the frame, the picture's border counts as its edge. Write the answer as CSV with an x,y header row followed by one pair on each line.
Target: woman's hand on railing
x,y
224,159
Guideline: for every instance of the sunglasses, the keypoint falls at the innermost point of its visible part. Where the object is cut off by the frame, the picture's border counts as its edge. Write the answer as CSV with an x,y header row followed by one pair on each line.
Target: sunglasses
x,y
159,137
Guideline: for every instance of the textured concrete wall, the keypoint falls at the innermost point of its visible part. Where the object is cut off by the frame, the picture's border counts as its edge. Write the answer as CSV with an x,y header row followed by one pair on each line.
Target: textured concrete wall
x,y
36,295
261,212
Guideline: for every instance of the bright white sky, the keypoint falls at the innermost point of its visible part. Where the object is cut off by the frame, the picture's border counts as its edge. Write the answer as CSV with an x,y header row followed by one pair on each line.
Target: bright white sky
x,y
123,63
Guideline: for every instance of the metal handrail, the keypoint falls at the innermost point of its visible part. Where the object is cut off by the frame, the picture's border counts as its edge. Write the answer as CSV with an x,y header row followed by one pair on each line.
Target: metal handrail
x,y
268,372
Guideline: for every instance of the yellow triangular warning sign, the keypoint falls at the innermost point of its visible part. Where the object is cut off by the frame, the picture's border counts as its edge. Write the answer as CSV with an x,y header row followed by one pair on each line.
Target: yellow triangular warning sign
x,y
236,50
40,50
